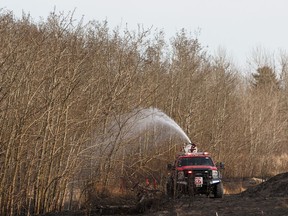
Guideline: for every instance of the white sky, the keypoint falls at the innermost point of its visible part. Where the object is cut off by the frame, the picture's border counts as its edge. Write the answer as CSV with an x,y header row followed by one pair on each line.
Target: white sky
x,y
239,26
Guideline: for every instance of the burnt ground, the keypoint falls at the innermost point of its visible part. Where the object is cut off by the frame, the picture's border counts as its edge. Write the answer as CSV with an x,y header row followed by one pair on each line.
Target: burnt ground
x,y
229,205
266,198
259,198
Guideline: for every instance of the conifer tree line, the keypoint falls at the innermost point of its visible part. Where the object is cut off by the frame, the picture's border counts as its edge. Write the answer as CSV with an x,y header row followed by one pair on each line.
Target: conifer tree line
x,y
63,84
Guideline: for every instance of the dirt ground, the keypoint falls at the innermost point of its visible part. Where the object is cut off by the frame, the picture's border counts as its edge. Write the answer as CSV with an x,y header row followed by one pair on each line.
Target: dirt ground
x,y
229,205
257,198
242,197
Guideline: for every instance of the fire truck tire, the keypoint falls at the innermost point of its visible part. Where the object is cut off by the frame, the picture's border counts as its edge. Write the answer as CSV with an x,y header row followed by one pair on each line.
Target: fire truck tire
x,y
218,190
191,192
170,188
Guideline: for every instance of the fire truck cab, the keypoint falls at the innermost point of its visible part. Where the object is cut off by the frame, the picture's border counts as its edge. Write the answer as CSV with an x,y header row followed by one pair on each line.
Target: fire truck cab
x,y
194,173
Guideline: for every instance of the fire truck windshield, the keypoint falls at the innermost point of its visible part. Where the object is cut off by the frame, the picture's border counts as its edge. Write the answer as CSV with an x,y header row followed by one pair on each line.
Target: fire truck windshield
x,y
194,161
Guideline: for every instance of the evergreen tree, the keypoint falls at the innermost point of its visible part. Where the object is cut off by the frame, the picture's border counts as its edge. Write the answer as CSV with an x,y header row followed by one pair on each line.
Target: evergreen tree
x,y
265,79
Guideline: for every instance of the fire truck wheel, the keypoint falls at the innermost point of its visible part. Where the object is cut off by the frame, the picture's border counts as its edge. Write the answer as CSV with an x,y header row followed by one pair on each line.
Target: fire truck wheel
x,y
218,190
170,188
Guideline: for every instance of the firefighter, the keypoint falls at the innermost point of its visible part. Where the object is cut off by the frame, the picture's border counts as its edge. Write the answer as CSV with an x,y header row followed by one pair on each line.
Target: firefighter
x,y
194,148
190,148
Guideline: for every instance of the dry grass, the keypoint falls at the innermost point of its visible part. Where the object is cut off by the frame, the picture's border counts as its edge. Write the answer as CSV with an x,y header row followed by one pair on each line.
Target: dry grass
x,y
238,185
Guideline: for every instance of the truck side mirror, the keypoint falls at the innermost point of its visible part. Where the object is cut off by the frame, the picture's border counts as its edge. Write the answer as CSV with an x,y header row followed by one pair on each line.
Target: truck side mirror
x,y
170,166
221,165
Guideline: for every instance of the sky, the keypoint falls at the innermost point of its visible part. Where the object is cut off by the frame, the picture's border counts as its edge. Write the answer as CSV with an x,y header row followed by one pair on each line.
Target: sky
x,y
236,26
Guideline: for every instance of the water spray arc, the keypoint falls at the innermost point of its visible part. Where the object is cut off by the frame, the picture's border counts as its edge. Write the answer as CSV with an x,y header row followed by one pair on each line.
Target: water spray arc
x,y
130,126
137,121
